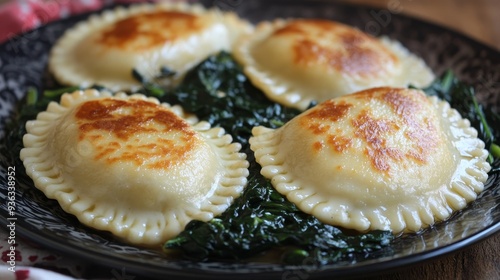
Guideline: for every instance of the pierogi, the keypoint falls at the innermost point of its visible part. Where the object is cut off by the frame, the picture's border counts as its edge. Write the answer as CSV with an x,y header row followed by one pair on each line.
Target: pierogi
x,y
297,61
105,49
132,166
380,159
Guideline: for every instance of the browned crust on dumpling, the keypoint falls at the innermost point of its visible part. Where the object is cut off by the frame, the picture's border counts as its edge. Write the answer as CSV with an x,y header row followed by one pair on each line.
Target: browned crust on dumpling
x,y
147,30
383,158
352,52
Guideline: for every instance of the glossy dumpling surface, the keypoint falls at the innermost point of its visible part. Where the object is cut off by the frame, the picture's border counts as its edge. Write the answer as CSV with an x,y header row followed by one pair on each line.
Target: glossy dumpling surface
x,y
297,61
105,48
384,158
132,166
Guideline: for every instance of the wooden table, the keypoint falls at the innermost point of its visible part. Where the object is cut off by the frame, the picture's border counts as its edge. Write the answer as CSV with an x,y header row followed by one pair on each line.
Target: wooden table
x,y
478,262
480,20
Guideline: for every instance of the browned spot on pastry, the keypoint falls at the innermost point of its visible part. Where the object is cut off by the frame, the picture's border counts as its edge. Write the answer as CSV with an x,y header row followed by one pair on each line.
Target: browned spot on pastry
x,y
148,30
337,46
422,133
137,131
318,146
330,111
373,132
339,143
408,106
318,122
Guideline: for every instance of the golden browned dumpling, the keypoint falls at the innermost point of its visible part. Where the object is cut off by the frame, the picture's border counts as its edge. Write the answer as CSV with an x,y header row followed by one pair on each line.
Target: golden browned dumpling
x,y
297,61
383,158
129,165
105,48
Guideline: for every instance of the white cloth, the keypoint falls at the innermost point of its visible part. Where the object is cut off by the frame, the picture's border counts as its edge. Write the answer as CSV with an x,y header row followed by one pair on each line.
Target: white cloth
x,y
29,273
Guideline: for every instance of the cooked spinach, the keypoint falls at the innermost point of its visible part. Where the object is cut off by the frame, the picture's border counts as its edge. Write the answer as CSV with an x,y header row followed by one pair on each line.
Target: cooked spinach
x,y
217,91
261,219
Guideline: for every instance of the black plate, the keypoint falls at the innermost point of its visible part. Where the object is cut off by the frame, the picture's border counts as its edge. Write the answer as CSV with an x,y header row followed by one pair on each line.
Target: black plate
x,y
23,62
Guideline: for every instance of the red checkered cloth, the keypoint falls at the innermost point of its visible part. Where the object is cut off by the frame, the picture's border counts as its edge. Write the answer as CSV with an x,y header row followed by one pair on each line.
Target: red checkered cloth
x,y
25,261
23,15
